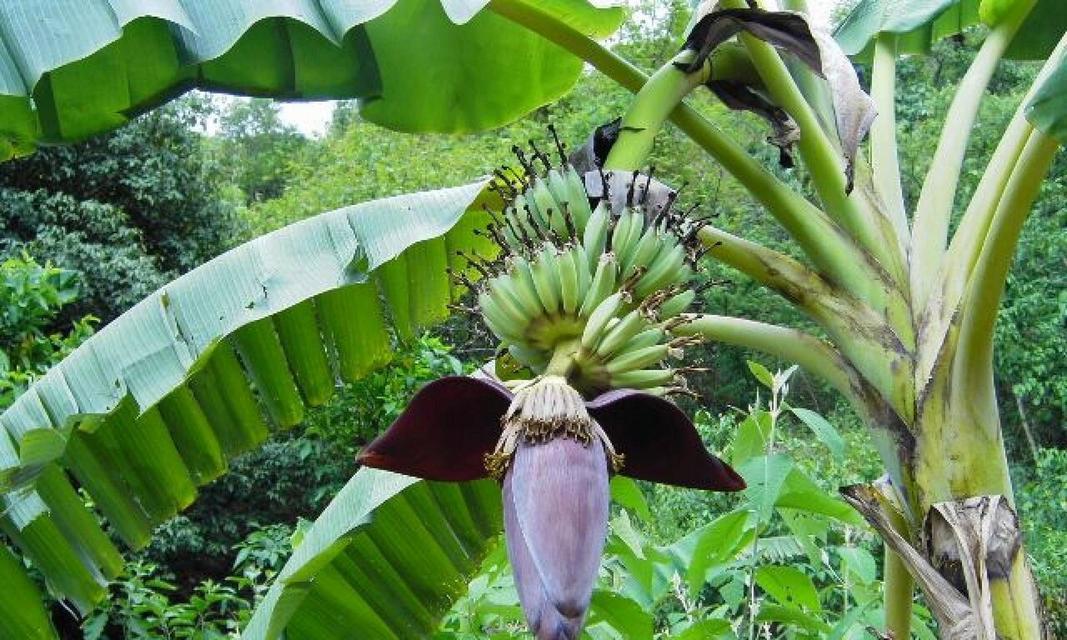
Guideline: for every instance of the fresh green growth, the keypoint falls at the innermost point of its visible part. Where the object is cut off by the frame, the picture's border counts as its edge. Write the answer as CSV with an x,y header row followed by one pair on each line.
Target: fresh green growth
x,y
600,287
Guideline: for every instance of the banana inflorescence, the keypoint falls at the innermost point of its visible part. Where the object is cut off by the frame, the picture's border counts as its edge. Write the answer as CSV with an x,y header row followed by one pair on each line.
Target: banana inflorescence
x,y
609,285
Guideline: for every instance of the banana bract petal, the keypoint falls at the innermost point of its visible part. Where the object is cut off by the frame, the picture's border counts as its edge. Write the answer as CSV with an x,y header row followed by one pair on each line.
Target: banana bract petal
x,y
445,432
659,442
559,491
544,620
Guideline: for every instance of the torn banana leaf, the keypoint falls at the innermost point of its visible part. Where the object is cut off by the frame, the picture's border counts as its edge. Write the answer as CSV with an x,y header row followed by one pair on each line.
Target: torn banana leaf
x,y
156,403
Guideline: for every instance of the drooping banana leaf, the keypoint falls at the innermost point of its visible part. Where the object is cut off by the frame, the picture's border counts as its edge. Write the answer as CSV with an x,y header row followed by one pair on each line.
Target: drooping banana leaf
x,y
385,560
918,24
1047,110
158,401
73,68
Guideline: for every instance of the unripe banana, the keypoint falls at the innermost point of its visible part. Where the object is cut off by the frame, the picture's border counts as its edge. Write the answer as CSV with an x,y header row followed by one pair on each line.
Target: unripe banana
x,y
499,321
602,285
546,279
524,283
577,197
599,318
568,277
521,222
643,378
628,243
646,338
527,211
530,306
677,304
629,326
503,298
557,184
595,238
646,249
620,234
547,207
664,269
630,360
585,275
510,237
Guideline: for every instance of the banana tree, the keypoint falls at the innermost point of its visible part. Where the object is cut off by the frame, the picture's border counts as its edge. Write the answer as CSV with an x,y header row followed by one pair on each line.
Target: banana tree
x,y
158,401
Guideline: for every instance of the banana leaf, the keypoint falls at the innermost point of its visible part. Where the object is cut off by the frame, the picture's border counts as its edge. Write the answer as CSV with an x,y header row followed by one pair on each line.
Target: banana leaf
x,y
73,68
157,402
918,24
386,559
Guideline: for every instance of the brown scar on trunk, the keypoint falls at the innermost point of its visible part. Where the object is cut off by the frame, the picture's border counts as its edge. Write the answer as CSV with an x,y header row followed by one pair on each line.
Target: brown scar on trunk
x,y
967,546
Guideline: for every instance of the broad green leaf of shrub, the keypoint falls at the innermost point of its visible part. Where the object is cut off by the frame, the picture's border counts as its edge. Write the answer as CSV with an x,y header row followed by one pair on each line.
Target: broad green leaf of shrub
x,y
623,614
707,628
823,430
717,543
761,373
789,586
72,69
751,438
859,562
766,478
626,493
792,615
798,491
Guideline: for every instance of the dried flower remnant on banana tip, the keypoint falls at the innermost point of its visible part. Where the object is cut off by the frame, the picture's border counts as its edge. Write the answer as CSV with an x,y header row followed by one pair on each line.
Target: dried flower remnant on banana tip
x,y
590,284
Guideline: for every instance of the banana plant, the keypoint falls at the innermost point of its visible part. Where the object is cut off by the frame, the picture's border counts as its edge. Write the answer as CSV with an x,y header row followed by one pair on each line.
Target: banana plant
x,y
157,402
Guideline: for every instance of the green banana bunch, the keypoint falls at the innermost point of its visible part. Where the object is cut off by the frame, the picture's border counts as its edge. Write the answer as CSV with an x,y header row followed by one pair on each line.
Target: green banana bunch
x,y
611,287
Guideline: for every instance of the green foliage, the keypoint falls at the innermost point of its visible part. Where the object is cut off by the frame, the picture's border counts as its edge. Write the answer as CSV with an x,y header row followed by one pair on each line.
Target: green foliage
x,y
255,150
363,409
145,603
129,210
31,296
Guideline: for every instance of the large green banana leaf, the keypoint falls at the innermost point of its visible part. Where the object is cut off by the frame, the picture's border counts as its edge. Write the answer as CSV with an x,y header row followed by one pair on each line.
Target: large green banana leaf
x,y
158,401
73,68
918,24
384,560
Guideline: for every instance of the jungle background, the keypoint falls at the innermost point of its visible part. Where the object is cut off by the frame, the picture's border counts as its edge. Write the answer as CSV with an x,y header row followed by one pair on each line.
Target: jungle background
x,y
88,230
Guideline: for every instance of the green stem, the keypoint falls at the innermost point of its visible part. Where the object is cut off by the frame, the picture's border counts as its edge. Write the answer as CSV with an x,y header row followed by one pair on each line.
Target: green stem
x,y
934,209
815,356
884,157
665,90
899,585
819,237
967,242
563,359
986,284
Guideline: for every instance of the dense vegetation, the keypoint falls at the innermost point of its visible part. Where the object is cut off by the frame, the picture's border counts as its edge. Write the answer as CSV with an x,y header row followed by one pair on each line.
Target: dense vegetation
x,y
90,229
